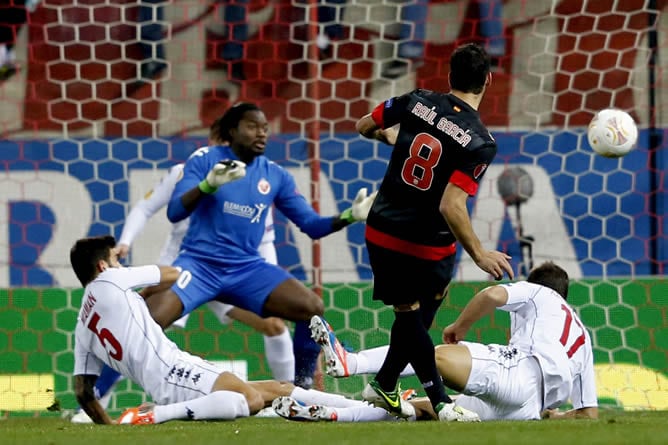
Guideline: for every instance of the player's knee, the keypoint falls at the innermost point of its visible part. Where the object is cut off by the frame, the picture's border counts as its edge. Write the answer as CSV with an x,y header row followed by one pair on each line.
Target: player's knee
x,y
314,306
255,401
227,381
165,308
273,326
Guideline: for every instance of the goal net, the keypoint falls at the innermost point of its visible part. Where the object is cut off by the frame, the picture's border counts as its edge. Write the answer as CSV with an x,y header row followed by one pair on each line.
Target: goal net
x,y
109,94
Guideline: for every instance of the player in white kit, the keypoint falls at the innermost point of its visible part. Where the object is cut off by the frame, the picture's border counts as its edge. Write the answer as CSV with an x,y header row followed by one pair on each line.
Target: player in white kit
x,y
547,361
277,341
114,328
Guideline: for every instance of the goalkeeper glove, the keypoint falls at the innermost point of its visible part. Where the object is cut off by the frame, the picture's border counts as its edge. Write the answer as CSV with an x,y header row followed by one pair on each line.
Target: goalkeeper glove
x,y
360,208
222,173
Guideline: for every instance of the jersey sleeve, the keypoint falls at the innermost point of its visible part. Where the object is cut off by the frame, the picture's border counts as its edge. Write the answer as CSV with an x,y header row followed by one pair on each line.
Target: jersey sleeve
x,y
295,207
519,293
195,169
584,394
472,168
85,362
389,113
132,277
145,208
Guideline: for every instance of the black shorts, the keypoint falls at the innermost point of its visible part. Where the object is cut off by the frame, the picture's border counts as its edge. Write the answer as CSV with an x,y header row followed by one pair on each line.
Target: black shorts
x,y
404,279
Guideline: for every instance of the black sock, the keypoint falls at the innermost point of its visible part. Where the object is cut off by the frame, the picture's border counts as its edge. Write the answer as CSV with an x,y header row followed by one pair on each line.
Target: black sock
x,y
428,310
396,358
421,356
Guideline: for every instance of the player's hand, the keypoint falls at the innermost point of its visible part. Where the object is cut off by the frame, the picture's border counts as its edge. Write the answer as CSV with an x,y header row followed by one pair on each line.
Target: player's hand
x,y
362,204
222,173
453,334
387,135
496,263
551,414
122,250
360,208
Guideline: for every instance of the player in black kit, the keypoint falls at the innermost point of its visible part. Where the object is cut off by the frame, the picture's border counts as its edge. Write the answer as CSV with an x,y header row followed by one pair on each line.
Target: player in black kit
x,y
441,152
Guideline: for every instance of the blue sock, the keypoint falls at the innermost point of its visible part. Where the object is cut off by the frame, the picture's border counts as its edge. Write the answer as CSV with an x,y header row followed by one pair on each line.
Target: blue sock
x,y
106,380
306,355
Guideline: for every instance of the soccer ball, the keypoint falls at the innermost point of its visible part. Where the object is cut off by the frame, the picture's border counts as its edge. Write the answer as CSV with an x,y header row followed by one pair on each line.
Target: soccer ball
x,y
612,133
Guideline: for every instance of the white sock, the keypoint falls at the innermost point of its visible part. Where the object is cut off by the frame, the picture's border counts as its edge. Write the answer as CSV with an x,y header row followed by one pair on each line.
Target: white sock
x,y
280,357
219,405
363,413
4,57
181,322
315,397
220,310
369,361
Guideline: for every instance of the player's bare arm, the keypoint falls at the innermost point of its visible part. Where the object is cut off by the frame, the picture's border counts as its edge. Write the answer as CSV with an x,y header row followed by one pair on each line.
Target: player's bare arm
x,y
390,135
368,128
122,250
453,208
84,390
482,304
580,413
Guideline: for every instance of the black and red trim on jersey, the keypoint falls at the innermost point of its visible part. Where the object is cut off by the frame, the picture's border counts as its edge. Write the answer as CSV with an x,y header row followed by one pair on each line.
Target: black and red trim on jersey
x,y
464,182
432,253
377,115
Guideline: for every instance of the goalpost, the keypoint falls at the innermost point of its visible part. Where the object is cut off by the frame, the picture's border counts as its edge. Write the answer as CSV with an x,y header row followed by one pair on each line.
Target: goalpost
x,y
78,148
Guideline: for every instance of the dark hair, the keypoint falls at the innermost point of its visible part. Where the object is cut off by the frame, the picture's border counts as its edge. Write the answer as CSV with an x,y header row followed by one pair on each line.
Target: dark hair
x,y
550,275
85,254
230,120
469,67
214,132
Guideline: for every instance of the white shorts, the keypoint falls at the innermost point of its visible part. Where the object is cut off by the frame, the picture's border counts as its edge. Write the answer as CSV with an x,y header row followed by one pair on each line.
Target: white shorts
x,y
188,378
504,383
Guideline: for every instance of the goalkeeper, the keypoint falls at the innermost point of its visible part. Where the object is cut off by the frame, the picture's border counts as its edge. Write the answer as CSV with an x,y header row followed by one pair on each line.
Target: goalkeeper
x,y
227,192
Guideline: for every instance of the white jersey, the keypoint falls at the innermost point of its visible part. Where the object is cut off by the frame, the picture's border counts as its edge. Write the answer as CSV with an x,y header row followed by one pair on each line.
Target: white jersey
x,y
544,326
115,328
157,199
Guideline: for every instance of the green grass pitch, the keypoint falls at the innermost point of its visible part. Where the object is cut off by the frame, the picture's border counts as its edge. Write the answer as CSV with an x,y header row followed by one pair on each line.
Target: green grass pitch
x,y
614,427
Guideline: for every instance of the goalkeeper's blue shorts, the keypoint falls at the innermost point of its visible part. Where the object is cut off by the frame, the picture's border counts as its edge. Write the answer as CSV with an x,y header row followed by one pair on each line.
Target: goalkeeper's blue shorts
x,y
245,285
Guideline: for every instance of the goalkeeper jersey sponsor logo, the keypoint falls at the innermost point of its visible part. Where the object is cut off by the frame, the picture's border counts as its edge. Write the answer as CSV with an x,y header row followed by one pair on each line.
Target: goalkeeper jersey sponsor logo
x,y
254,213
238,209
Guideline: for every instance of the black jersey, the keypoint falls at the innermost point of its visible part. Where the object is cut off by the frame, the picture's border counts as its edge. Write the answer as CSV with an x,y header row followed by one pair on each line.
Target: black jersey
x,y
441,139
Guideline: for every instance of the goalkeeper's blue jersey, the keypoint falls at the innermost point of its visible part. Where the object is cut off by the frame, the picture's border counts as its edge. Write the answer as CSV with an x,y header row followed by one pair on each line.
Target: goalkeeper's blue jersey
x,y
227,226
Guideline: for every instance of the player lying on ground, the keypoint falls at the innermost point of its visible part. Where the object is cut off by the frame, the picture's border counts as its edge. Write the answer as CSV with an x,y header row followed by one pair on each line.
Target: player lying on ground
x,y
548,359
115,328
277,341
